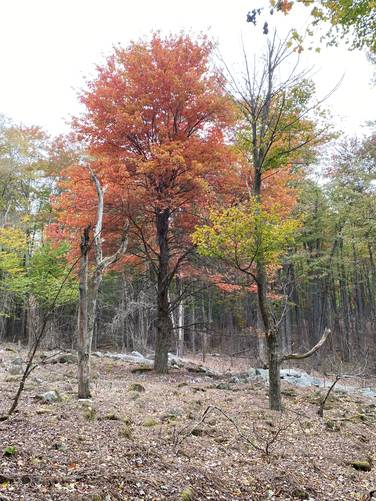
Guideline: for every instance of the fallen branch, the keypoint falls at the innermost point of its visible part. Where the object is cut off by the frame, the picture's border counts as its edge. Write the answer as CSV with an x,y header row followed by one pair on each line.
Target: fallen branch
x,y
264,449
301,356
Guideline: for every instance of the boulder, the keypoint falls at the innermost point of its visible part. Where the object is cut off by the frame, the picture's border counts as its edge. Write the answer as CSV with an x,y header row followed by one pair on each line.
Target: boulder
x,y
137,354
263,373
172,414
175,361
361,465
15,370
49,397
17,361
368,392
223,386
65,358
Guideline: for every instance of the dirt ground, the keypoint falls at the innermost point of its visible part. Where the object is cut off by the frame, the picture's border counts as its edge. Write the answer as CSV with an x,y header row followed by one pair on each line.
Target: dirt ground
x,y
183,436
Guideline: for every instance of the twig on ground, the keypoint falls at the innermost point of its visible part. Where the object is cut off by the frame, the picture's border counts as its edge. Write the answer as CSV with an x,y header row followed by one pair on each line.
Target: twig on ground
x,y
320,412
183,434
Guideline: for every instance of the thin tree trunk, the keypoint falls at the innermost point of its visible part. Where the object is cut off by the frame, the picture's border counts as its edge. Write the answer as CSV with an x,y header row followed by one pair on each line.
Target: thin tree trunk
x,y
204,333
193,329
83,334
180,343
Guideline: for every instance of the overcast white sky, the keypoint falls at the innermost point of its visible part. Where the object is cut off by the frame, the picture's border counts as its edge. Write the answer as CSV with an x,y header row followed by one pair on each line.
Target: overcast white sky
x,y
49,46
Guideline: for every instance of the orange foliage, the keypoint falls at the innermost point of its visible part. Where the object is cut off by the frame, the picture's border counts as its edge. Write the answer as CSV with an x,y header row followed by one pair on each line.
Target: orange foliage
x,y
155,126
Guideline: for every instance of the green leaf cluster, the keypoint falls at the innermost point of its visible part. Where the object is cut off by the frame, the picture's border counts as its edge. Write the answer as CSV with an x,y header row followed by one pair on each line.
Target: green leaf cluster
x,y
244,234
40,275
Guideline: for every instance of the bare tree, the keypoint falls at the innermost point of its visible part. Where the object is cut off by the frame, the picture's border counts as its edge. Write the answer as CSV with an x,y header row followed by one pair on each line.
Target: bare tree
x,y
90,282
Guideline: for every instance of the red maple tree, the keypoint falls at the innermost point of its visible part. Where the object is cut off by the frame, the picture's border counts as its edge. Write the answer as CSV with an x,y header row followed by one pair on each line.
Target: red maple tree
x,y
155,129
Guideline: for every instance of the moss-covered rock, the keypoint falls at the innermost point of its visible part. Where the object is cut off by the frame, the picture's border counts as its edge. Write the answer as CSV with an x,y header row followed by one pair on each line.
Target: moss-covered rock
x,y
331,425
136,387
187,494
149,422
361,465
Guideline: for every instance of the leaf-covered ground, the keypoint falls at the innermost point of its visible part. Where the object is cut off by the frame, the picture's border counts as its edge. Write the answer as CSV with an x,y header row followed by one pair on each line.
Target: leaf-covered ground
x,y
155,444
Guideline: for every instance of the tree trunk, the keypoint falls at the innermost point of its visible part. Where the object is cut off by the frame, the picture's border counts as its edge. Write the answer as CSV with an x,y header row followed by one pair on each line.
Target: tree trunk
x,y
275,402
163,320
261,340
83,333
180,343
193,328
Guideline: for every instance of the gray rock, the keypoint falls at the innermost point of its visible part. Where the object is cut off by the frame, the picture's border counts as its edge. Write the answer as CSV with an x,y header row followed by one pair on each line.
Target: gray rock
x,y
172,414
175,361
292,373
49,397
67,358
368,392
235,379
85,402
223,386
263,373
15,370
97,354
17,361
251,372
128,358
137,354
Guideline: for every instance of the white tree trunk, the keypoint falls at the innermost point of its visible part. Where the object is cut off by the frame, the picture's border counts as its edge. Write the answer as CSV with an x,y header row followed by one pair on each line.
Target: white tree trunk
x,y
89,287
180,344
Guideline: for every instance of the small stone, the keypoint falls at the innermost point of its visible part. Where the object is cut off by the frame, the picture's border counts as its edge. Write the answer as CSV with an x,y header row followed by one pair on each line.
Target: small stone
x,y
332,425
136,387
223,386
198,432
112,417
60,446
187,494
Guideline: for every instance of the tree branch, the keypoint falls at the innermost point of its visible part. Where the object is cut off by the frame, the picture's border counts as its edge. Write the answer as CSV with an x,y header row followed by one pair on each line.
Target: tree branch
x,y
301,356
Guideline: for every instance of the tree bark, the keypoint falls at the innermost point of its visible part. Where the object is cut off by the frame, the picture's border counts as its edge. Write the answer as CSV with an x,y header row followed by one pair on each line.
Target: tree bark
x,y
275,401
83,333
163,320
180,343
